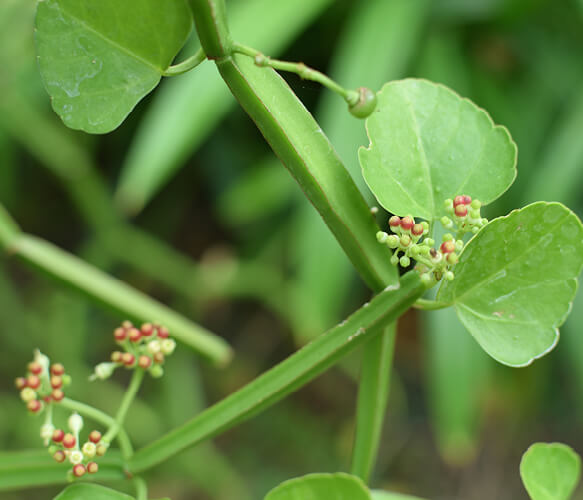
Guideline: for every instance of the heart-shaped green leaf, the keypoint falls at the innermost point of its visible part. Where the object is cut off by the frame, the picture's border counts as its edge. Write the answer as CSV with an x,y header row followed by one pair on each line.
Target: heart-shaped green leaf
x,y
338,486
516,279
428,144
98,58
550,471
88,491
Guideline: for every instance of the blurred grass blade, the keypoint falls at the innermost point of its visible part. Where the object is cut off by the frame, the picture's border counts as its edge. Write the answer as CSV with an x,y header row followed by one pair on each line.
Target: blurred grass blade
x,y
187,108
109,291
559,175
287,376
456,372
29,469
373,393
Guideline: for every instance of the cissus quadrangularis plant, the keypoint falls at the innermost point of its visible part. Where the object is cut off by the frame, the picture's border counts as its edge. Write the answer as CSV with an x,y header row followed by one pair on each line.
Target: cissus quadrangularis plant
x,y
433,158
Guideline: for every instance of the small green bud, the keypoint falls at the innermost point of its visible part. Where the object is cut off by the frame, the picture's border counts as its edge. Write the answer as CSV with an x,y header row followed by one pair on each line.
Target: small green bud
x,y
405,261
382,236
449,276
66,378
474,214
476,204
447,237
393,241
452,259
448,204
484,221
475,229
414,250
424,250
394,259
446,222
366,104
429,242
405,240
459,245
156,371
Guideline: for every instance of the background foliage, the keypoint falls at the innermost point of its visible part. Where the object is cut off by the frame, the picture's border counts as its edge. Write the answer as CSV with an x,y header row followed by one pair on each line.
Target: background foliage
x,y
186,202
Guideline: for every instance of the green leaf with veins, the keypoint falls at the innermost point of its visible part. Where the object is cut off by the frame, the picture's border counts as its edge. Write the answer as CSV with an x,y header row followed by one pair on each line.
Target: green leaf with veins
x,y
428,144
339,486
98,58
550,471
85,491
516,279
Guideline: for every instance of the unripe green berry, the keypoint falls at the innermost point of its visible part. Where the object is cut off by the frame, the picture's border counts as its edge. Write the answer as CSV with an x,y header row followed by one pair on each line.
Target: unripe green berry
x,y
382,236
405,261
414,250
394,259
475,229
448,204
426,278
476,204
459,245
452,258
484,221
447,237
429,242
366,104
446,222
156,371
449,276
474,214
424,250
405,240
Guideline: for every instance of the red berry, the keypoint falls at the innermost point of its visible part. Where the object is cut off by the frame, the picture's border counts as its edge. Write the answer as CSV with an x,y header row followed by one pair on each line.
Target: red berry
x,y
144,362
95,436
447,247
57,369
458,200
119,334
407,223
92,467
395,221
158,357
467,199
147,329
56,382
58,435
57,394
116,356
163,332
127,324
34,406
47,399
69,441
461,210
59,456
134,335
20,383
128,358
33,381
35,368
78,470
417,229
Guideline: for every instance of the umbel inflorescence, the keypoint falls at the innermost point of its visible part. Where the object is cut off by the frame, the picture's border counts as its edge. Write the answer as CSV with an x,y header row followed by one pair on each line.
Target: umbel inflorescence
x,y
410,240
144,349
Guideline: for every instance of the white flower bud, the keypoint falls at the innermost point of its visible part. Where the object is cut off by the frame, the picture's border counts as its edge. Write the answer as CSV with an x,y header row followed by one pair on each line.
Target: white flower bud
x,y
75,423
154,346
103,371
89,449
167,346
46,433
75,457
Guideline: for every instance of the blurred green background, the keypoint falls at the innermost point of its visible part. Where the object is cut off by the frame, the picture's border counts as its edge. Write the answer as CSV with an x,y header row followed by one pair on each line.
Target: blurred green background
x,y
186,202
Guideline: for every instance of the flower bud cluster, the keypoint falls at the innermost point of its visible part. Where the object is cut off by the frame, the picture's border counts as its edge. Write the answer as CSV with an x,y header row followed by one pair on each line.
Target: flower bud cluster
x,y
465,214
43,384
66,446
146,347
409,239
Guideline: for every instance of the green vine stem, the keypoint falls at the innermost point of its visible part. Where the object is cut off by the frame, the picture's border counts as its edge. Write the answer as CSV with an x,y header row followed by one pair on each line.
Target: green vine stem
x,y
130,394
288,376
430,305
299,142
186,65
88,411
300,69
141,488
